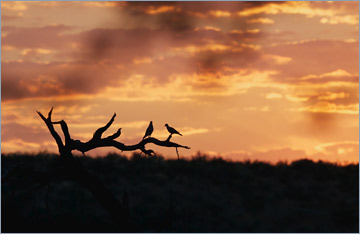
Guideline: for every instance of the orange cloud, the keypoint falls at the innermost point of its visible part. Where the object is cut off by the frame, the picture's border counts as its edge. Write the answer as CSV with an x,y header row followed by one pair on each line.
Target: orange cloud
x,y
260,21
161,9
218,13
304,8
346,19
14,6
21,146
142,60
327,107
273,96
336,73
254,108
294,98
317,57
333,96
278,59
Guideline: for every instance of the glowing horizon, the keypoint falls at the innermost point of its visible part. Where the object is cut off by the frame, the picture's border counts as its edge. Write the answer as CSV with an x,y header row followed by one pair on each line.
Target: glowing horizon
x,y
262,81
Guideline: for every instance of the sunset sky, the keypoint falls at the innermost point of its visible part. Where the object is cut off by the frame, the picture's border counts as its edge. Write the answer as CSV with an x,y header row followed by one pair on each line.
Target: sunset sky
x,y
246,80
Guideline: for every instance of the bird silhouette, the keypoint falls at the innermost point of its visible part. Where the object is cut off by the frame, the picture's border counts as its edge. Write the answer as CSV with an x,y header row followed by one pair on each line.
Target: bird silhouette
x,y
149,130
172,130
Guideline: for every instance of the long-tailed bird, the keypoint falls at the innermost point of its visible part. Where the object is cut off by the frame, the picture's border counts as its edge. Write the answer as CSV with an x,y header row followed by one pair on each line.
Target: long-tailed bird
x,y
149,130
172,130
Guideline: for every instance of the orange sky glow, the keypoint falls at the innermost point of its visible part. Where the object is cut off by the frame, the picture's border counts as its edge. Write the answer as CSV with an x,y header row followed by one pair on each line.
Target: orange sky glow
x,y
262,81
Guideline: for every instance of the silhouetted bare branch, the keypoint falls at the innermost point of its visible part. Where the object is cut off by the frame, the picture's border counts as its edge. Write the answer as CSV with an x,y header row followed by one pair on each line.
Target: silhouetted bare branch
x,y
53,132
97,141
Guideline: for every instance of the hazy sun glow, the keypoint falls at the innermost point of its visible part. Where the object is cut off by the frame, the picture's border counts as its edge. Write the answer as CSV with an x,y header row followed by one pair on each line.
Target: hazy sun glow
x,y
246,80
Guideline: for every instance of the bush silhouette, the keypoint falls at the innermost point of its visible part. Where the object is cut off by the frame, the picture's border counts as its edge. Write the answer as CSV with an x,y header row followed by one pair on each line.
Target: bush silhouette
x,y
207,196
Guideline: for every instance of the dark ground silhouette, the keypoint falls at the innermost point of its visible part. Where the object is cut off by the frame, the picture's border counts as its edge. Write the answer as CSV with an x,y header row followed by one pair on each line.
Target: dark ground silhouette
x,y
198,195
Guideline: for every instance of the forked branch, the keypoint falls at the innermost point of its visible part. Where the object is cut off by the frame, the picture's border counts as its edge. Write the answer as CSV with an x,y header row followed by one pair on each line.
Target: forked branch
x,y
98,141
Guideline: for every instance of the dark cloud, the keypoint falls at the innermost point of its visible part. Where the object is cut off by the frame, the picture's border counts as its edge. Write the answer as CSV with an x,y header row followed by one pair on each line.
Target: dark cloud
x,y
120,45
345,7
86,79
16,78
12,89
180,17
177,22
99,54
8,28
16,88
100,46
28,79
42,37
321,122
101,51
162,69
316,57
210,61
12,131
123,46
196,7
8,17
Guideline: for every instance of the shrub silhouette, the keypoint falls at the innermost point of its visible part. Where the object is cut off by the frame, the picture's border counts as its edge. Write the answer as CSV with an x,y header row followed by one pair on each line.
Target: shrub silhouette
x,y
206,196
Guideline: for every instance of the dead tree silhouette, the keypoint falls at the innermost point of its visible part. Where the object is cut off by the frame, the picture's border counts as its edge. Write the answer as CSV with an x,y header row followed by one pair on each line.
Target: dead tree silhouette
x,y
70,169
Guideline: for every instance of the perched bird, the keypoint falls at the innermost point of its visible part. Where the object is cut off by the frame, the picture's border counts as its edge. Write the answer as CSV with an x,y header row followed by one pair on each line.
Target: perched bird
x,y
149,130
172,130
